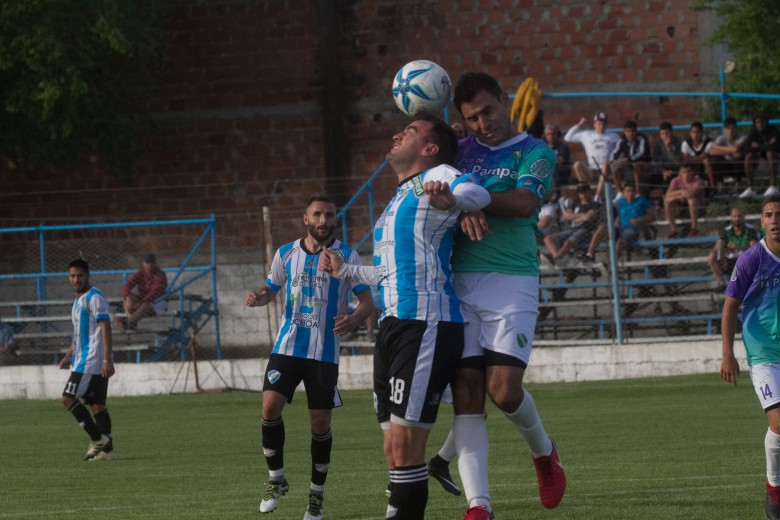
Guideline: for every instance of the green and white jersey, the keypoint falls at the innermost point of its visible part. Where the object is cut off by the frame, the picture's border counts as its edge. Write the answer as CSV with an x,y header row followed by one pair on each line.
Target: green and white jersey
x,y
521,162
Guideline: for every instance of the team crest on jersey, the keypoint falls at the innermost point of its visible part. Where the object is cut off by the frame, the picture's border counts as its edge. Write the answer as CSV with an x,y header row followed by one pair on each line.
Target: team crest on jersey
x,y
435,400
518,155
522,341
83,302
540,168
417,186
273,376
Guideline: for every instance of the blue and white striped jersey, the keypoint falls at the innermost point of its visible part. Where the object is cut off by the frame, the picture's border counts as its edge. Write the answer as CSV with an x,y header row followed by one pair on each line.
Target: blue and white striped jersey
x,y
412,247
313,300
88,309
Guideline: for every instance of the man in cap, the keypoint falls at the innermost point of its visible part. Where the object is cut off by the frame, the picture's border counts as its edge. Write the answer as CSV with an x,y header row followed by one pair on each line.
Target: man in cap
x,y
599,147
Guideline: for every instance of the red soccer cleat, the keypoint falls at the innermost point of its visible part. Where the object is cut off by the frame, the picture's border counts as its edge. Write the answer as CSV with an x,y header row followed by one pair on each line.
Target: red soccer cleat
x,y
772,502
551,478
478,513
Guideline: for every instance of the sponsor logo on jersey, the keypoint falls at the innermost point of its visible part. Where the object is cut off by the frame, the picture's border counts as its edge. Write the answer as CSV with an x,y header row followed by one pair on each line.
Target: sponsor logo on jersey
x,y
529,183
734,274
273,376
435,400
417,186
305,280
313,301
522,341
540,168
303,319
541,191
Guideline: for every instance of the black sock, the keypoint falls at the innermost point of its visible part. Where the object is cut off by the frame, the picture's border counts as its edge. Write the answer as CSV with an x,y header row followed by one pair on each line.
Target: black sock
x,y
320,457
273,443
438,461
103,421
410,492
80,412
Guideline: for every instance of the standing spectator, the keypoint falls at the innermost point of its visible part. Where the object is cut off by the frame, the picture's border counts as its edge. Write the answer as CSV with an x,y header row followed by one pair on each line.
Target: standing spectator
x,y
632,152
762,143
552,136
735,238
141,293
599,147
686,189
667,156
420,338
91,363
307,347
726,154
696,151
7,346
497,280
579,221
634,212
755,286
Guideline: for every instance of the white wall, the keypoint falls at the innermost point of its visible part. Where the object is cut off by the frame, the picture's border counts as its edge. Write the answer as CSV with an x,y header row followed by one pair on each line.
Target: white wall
x,y
548,364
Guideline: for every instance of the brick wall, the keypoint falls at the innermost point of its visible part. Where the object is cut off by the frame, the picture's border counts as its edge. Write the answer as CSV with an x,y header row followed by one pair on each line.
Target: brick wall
x,y
235,122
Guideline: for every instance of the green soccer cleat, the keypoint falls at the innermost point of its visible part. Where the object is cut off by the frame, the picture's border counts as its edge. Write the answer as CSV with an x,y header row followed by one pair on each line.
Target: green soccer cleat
x,y
314,511
273,490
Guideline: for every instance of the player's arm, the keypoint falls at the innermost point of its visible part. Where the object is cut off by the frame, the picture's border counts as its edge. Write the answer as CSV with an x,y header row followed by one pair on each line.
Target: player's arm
x,y
65,361
729,367
349,322
332,263
464,196
260,297
571,135
108,355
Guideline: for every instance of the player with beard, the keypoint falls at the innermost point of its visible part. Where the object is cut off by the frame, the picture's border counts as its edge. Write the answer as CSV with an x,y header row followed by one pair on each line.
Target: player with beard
x,y
307,347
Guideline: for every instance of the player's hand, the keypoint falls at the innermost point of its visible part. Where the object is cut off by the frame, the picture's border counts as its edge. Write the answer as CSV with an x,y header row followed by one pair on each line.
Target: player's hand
x,y
330,262
729,369
344,324
258,298
439,195
108,369
474,224
64,363
582,121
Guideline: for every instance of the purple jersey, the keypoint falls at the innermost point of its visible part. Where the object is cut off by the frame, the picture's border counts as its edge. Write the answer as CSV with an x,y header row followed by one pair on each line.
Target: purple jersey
x,y
755,282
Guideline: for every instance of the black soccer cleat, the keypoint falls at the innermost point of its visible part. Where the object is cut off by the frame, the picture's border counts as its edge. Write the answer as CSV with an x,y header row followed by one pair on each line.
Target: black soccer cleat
x,y
439,469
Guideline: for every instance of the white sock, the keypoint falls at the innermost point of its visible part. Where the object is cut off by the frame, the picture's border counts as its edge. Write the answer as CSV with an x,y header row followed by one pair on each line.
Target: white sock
x,y
448,450
471,440
527,421
772,447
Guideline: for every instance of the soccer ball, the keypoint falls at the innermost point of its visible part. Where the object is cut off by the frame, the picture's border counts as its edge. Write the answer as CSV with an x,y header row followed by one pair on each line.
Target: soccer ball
x,y
421,85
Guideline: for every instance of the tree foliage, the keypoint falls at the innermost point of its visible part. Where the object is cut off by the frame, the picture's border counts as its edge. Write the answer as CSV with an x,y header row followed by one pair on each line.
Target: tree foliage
x,y
749,29
71,77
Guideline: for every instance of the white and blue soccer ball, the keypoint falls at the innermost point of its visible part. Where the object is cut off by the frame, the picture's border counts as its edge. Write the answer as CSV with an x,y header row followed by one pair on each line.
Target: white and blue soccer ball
x,y
421,85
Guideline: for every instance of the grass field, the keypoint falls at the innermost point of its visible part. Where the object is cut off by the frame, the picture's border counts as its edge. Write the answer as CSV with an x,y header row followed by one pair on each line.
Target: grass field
x,y
672,448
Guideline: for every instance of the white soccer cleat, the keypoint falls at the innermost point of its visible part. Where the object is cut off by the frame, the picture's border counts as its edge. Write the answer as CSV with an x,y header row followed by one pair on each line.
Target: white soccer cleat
x,y
96,447
273,490
748,193
314,511
771,191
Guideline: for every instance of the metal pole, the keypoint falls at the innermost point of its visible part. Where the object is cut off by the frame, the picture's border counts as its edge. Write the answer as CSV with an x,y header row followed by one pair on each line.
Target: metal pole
x,y
212,228
269,255
613,263
723,95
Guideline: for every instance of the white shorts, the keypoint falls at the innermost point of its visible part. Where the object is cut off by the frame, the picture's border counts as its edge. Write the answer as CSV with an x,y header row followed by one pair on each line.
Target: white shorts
x,y
766,382
500,313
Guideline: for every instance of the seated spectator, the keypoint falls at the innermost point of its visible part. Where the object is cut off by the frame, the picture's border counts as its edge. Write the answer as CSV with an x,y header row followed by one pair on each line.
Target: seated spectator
x,y
667,156
696,151
7,346
634,212
685,189
762,143
141,291
735,238
552,136
632,153
549,218
578,223
726,154
599,147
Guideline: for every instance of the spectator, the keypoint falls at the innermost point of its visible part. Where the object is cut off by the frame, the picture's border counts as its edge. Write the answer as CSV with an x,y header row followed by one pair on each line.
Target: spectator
x,y
549,218
735,238
632,152
667,155
599,147
578,224
460,130
149,283
7,346
687,188
726,154
562,174
761,144
634,212
696,150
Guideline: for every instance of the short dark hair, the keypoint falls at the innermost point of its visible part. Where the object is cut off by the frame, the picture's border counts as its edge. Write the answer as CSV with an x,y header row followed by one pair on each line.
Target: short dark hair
x,y
630,124
471,83
665,125
442,135
729,121
319,198
79,264
770,200
697,124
